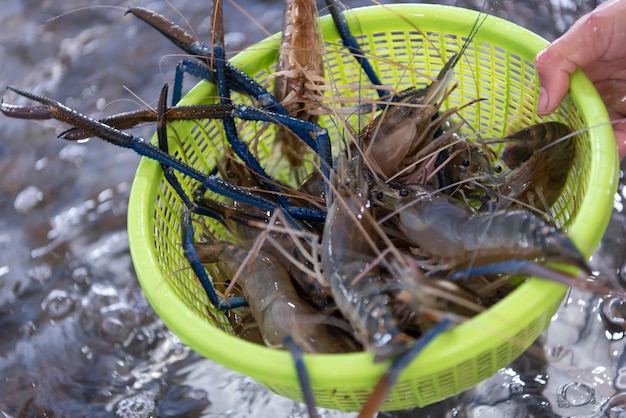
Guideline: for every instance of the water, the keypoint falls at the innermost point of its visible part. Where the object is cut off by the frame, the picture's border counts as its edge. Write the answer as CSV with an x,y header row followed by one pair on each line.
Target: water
x,y
79,338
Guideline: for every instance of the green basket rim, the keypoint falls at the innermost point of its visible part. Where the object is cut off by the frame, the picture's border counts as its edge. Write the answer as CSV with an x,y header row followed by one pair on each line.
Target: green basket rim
x,y
352,370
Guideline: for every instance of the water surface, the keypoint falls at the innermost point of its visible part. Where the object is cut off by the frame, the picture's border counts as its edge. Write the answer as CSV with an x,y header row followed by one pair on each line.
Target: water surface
x,y
79,338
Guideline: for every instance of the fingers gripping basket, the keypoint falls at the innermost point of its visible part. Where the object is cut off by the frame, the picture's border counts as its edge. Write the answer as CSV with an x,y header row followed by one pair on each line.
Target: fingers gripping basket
x,y
497,66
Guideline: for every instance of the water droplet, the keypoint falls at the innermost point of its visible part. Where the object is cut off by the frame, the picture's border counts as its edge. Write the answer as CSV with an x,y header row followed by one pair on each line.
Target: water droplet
x,y
80,274
41,163
537,405
622,273
234,40
28,199
86,350
575,394
73,154
57,304
620,379
556,351
614,310
41,272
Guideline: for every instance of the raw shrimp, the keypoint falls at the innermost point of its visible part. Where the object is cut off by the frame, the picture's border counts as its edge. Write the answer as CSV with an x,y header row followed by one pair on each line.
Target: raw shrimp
x,y
348,246
410,121
300,68
541,156
450,235
273,301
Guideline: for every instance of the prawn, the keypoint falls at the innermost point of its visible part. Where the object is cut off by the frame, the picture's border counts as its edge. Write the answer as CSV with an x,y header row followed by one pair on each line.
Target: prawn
x,y
299,70
411,120
541,156
347,248
272,299
449,235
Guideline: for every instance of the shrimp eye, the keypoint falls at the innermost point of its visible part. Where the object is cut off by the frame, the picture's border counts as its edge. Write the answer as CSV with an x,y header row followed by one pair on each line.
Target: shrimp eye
x,y
227,282
498,169
404,192
380,195
466,163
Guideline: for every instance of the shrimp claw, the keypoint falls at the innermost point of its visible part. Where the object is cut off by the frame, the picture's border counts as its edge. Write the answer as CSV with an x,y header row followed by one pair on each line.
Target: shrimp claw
x,y
194,260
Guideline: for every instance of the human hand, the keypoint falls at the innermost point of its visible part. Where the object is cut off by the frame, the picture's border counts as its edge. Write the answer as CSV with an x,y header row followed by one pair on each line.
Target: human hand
x,y
597,44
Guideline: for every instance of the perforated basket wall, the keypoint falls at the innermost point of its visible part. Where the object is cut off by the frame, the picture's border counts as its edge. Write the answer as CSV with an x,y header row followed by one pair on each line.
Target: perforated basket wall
x,y
403,42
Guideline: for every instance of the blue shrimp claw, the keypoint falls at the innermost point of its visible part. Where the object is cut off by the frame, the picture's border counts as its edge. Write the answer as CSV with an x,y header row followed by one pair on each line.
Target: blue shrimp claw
x,y
219,71
55,110
390,378
193,258
350,42
303,377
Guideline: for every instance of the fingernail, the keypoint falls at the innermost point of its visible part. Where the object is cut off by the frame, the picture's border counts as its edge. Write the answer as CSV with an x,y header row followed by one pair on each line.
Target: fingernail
x,y
542,101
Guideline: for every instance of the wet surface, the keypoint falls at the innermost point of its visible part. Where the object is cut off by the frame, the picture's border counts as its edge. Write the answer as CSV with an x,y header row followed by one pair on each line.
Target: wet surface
x,y
79,338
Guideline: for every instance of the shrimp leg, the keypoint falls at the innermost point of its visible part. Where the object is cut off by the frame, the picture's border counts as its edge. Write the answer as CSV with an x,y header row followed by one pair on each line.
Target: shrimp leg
x,y
350,42
53,109
303,377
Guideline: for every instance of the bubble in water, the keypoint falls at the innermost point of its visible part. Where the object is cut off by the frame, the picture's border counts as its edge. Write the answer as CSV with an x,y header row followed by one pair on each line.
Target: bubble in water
x,y
112,329
117,324
28,199
575,394
613,314
139,405
57,304
101,296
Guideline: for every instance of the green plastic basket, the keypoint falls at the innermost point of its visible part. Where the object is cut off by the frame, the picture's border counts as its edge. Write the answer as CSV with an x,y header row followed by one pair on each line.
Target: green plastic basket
x,y
498,66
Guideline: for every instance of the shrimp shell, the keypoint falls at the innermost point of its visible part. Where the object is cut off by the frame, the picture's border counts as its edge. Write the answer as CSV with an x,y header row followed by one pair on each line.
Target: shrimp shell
x,y
273,300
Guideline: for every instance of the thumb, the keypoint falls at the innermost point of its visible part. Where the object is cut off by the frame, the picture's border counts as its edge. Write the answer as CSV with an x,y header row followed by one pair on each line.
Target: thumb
x,y
553,81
